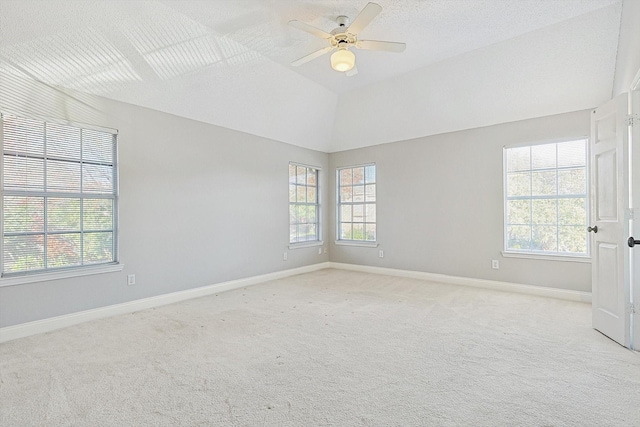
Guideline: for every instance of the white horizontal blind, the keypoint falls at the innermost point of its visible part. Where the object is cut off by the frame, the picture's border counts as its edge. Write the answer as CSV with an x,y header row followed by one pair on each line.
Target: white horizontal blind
x,y
59,196
546,204
357,203
303,204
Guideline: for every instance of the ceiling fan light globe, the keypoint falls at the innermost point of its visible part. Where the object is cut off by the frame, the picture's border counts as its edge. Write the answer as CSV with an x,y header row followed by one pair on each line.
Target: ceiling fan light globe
x,y
343,60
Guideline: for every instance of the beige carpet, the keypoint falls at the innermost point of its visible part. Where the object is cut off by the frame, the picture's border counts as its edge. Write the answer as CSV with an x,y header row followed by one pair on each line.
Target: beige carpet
x,y
330,348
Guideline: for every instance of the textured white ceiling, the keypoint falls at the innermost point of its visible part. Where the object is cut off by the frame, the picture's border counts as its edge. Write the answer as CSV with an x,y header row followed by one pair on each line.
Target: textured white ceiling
x,y
226,62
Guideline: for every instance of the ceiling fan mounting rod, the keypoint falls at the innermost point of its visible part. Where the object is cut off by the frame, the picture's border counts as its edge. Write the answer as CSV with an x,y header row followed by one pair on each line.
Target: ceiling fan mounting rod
x,y
342,20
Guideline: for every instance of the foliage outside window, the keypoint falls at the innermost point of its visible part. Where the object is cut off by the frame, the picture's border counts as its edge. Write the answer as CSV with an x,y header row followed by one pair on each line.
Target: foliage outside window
x,y
303,204
546,198
357,203
59,199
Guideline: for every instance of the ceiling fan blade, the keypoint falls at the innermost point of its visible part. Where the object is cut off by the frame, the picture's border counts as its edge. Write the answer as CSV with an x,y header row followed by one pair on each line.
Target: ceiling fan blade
x,y
380,45
310,29
352,72
311,56
364,18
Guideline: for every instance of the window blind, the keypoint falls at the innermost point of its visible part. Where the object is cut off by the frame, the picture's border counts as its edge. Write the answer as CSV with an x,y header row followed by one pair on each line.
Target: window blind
x,y
59,196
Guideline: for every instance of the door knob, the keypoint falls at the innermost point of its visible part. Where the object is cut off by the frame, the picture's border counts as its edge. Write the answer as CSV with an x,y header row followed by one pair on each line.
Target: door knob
x,y
594,229
632,242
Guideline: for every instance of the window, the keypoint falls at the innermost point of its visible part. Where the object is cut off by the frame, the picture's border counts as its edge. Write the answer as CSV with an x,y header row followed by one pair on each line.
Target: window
x,y
546,198
303,204
59,196
357,203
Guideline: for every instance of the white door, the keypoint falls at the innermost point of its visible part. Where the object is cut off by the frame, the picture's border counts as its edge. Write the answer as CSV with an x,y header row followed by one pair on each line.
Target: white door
x,y
635,225
609,202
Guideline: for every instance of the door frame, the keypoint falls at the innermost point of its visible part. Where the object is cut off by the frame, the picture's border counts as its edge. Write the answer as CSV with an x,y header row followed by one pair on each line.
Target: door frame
x,y
634,217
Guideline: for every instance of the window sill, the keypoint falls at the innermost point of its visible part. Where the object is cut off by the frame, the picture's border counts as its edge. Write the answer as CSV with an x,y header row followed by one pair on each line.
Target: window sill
x,y
356,243
306,244
562,258
62,274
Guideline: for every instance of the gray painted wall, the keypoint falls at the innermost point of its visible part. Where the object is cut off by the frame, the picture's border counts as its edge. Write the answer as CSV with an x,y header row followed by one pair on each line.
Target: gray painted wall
x,y
199,204
440,207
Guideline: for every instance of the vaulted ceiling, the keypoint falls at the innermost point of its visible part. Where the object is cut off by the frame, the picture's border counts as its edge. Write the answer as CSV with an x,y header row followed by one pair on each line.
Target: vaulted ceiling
x,y
468,63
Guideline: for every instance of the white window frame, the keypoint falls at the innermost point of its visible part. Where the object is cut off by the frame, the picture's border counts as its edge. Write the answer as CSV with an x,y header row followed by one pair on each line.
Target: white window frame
x,y
318,240
546,255
55,273
340,203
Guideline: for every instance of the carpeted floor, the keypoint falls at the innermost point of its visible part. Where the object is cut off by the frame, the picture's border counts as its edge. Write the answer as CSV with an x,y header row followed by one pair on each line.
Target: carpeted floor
x,y
330,348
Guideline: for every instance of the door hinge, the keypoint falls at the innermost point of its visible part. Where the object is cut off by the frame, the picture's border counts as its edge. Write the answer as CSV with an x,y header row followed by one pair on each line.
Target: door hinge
x,y
631,308
632,119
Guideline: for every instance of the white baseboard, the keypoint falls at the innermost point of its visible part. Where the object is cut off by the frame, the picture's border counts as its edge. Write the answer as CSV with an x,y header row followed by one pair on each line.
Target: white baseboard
x,y
468,281
46,325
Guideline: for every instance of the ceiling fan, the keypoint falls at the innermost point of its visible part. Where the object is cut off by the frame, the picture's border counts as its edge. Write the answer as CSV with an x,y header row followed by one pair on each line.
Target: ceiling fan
x,y
344,37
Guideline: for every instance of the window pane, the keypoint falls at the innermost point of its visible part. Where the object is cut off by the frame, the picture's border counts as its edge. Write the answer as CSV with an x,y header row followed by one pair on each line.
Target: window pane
x,y
293,233
293,214
573,153
518,237
292,174
572,212
97,146
345,177
543,183
370,193
63,214
519,184
543,156
63,250
370,232
63,141
98,247
572,181
518,159
572,239
370,213
63,176
311,214
97,214
358,193
301,194
345,194
302,214
544,238
370,174
345,231
97,179
23,174
23,253
358,231
23,214
302,175
519,212
358,213
543,211
345,213
312,232
292,193
311,195
23,135
358,175
311,177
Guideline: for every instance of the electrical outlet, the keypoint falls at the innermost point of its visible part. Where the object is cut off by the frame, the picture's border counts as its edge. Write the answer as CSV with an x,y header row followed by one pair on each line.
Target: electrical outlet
x,y
319,251
381,254
284,257
495,264
131,279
